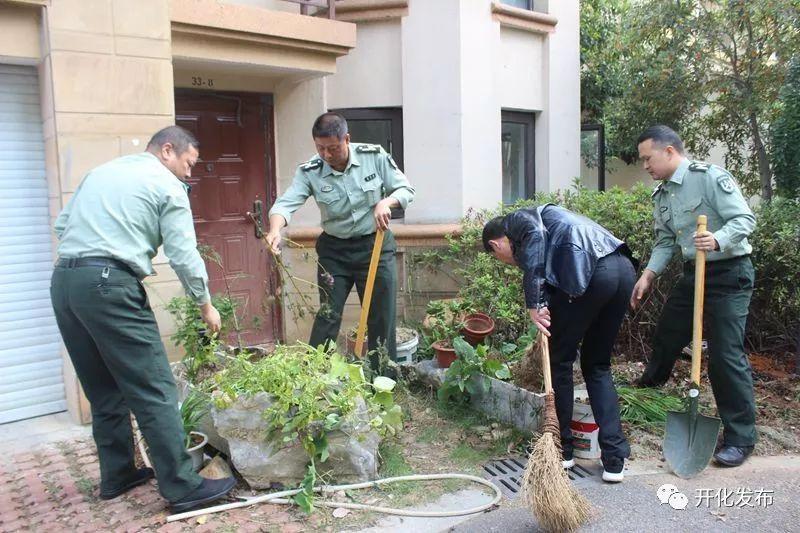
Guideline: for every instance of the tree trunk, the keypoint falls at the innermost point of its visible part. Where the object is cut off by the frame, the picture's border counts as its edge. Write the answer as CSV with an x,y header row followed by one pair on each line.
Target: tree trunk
x,y
764,172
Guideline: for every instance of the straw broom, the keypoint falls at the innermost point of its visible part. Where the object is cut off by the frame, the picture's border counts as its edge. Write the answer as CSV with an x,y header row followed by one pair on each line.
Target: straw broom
x,y
546,487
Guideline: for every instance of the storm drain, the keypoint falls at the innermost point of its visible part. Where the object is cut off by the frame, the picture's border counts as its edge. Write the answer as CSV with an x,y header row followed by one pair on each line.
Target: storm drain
x,y
507,474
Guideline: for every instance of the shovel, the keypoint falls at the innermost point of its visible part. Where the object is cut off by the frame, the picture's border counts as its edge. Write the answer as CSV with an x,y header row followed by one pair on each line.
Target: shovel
x,y
373,270
691,437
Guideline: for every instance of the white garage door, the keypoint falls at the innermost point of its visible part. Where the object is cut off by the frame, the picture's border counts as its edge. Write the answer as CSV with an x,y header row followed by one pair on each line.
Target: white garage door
x,y
31,382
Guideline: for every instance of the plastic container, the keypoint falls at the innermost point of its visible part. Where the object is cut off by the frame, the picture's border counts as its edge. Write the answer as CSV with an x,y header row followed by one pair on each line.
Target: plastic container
x,y
585,430
406,350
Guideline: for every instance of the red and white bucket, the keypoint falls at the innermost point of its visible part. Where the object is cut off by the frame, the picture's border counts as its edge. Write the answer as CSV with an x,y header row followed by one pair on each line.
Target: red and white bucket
x,y
585,430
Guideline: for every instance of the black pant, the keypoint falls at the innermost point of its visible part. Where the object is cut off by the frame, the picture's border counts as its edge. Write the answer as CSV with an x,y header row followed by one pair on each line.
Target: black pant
x,y
347,261
591,320
728,288
113,341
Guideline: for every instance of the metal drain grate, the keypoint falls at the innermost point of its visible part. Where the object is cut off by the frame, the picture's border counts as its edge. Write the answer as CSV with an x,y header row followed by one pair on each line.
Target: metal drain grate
x,y
507,474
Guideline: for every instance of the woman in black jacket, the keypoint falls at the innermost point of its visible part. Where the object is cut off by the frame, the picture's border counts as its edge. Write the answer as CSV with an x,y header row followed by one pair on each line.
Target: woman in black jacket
x,y
577,280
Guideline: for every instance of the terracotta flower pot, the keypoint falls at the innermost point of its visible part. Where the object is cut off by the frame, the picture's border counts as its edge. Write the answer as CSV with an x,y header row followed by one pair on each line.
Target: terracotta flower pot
x,y
444,355
477,326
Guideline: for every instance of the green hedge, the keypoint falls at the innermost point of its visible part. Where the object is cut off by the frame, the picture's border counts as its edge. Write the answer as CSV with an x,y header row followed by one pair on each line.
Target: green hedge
x,y
496,288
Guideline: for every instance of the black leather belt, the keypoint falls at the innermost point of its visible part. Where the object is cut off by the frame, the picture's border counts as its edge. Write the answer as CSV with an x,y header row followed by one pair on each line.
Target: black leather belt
x,y
73,262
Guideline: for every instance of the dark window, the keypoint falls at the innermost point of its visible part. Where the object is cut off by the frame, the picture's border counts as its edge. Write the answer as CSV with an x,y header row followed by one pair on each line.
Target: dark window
x,y
517,149
382,126
593,157
378,125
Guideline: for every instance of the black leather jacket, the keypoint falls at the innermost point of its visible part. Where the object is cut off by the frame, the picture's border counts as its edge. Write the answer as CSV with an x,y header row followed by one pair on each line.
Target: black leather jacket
x,y
557,248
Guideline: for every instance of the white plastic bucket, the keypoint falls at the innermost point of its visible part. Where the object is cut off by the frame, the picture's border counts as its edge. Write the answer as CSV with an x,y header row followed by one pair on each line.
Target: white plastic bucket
x,y
406,351
585,430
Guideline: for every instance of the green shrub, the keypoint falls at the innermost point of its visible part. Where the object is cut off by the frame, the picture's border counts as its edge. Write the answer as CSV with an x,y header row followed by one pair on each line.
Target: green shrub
x,y
785,132
775,308
496,288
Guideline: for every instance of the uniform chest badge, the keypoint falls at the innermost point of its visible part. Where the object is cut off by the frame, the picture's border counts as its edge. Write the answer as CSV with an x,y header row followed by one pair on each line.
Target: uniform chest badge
x,y
370,177
326,188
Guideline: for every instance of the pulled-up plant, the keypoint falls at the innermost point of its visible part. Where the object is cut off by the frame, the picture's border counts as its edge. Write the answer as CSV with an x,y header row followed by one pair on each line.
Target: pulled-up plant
x,y
470,372
200,346
313,391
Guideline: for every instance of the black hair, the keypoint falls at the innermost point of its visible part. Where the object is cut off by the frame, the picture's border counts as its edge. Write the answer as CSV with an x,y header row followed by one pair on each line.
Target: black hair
x,y
329,125
663,136
494,229
179,138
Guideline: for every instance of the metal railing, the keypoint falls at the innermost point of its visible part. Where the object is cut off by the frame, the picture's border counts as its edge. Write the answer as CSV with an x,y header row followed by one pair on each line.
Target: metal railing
x,y
305,4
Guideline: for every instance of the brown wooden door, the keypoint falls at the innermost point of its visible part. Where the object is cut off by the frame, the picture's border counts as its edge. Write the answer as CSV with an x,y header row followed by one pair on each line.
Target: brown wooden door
x,y
234,171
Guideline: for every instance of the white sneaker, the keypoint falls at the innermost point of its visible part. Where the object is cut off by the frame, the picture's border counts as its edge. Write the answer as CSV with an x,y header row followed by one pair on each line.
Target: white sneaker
x,y
613,470
567,463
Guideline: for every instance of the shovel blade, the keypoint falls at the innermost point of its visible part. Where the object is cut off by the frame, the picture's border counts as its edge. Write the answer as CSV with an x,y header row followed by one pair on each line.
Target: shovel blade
x,y
689,442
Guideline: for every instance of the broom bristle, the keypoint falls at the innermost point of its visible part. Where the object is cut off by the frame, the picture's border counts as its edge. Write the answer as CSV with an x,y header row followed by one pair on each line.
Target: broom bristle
x,y
546,487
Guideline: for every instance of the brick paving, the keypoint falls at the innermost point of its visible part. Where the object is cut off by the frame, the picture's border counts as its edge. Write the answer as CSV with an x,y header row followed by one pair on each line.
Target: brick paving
x,y
55,488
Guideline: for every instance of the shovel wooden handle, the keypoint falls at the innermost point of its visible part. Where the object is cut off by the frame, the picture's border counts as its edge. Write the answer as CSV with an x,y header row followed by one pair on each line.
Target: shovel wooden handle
x,y
699,295
545,351
373,270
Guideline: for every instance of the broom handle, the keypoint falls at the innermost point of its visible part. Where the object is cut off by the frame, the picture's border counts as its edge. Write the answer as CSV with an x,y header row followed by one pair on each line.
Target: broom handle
x,y
699,295
373,269
548,380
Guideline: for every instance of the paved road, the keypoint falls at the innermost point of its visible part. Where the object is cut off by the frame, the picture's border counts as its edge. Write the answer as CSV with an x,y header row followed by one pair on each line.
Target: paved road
x,y
634,506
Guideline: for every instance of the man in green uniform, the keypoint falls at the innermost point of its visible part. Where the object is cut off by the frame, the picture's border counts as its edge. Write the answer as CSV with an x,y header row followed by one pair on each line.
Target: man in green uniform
x,y
689,189
109,232
355,186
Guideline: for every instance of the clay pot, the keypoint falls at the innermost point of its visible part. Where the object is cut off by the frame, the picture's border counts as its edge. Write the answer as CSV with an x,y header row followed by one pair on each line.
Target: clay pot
x,y
444,355
477,326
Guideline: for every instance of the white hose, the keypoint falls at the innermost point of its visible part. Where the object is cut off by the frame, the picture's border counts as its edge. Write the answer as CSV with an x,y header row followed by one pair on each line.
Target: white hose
x,y
279,497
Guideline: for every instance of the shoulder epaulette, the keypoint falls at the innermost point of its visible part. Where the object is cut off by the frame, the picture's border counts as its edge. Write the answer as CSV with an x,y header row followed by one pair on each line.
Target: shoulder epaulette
x,y
311,165
699,166
368,149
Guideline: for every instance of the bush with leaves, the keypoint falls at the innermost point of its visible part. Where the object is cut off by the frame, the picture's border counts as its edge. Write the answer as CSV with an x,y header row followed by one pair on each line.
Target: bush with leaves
x,y
496,288
775,309
470,372
190,332
785,132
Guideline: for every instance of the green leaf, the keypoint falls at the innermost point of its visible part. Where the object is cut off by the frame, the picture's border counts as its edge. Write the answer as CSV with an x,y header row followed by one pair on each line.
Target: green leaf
x,y
383,384
504,373
394,417
356,373
385,399
339,367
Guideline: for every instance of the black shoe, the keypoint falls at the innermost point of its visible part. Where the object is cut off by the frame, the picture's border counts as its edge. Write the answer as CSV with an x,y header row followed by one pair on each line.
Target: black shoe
x,y
142,476
208,491
612,469
732,455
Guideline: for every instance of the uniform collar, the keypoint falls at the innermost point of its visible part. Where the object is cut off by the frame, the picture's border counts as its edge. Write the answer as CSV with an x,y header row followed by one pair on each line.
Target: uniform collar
x,y
352,160
680,172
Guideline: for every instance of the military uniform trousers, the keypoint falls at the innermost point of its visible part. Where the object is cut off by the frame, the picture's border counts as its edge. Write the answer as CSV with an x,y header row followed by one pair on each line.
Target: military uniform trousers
x,y
346,261
113,341
729,286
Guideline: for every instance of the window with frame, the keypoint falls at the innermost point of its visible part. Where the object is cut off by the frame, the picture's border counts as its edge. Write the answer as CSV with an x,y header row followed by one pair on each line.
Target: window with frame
x,y
522,4
593,157
517,151
378,125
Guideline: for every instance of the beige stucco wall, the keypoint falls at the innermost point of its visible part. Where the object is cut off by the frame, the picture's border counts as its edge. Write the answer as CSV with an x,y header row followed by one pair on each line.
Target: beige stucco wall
x,y
20,34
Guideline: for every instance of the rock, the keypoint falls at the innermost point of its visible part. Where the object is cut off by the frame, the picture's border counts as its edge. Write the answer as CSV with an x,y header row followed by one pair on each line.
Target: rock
x,y
427,373
782,437
262,461
487,437
481,429
217,468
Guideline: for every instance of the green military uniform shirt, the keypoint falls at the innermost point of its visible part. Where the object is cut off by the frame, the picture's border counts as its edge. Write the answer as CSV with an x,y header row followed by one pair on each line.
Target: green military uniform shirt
x,y
346,199
125,209
699,189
